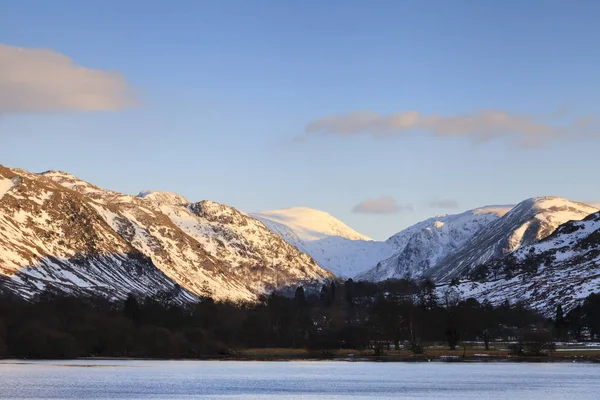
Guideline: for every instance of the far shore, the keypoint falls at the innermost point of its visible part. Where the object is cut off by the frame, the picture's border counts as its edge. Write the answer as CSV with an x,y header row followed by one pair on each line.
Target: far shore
x,y
430,355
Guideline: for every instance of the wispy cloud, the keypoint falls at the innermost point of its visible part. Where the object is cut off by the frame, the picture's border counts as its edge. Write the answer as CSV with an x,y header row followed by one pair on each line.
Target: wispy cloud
x,y
41,80
481,126
381,205
443,203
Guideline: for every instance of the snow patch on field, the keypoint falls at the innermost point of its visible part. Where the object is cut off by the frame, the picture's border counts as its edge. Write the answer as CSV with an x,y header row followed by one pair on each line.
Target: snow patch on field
x,y
5,185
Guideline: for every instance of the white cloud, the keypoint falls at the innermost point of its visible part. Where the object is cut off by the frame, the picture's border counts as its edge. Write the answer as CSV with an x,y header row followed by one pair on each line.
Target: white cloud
x,y
381,205
41,80
443,203
483,125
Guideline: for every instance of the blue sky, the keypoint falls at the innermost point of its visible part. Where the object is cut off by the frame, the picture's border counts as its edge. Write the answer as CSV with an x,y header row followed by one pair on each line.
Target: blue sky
x,y
271,104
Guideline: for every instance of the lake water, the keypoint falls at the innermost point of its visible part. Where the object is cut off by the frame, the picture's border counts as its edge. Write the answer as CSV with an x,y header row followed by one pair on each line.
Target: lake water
x,y
296,380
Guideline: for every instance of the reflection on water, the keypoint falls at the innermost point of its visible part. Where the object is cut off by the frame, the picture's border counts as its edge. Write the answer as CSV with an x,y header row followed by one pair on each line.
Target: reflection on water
x,y
296,380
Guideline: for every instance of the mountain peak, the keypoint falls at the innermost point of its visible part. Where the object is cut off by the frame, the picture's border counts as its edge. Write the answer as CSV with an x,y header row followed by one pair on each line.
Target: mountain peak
x,y
310,224
162,197
551,202
68,235
421,247
551,208
499,209
56,172
528,222
217,212
333,244
559,269
74,183
63,177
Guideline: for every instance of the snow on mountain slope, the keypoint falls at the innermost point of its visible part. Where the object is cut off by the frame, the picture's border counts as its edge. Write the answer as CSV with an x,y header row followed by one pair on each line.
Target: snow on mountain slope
x,y
166,198
530,221
52,238
334,245
6,185
60,232
562,269
310,224
423,246
251,252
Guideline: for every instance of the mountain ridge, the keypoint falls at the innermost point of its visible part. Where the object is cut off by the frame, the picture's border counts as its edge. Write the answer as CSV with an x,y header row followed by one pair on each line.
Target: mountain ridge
x,y
424,245
228,256
562,268
62,233
333,244
529,221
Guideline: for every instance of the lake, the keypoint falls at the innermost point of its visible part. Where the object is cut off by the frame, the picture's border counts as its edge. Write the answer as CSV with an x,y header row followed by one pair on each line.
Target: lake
x,y
296,380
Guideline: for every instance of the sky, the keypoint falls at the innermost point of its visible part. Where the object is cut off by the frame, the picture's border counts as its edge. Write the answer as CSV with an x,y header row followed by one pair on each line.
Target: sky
x,y
381,113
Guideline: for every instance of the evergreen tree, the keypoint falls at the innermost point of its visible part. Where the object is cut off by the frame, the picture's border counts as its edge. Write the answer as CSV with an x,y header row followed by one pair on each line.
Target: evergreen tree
x,y
332,293
299,296
559,323
131,308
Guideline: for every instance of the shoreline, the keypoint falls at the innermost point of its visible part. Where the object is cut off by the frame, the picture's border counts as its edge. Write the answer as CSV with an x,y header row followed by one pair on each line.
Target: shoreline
x,y
290,355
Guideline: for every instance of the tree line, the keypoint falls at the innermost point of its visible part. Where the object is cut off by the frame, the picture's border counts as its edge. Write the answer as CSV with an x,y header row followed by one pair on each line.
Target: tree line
x,y
395,314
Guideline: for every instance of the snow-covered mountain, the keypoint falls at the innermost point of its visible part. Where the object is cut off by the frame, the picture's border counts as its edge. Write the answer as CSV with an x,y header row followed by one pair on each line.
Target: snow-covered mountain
x,y
334,245
530,221
310,224
421,247
55,238
561,269
59,232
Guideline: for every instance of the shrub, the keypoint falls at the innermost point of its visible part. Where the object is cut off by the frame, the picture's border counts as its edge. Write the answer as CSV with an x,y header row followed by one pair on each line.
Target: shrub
x,y
533,343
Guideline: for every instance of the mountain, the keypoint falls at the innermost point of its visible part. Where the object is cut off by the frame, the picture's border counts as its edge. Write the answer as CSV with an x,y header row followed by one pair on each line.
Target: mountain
x,y
561,269
55,238
334,245
59,232
423,246
529,221
309,224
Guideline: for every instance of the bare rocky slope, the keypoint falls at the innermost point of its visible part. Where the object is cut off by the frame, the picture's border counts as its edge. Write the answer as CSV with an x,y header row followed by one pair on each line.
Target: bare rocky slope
x,y
59,232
